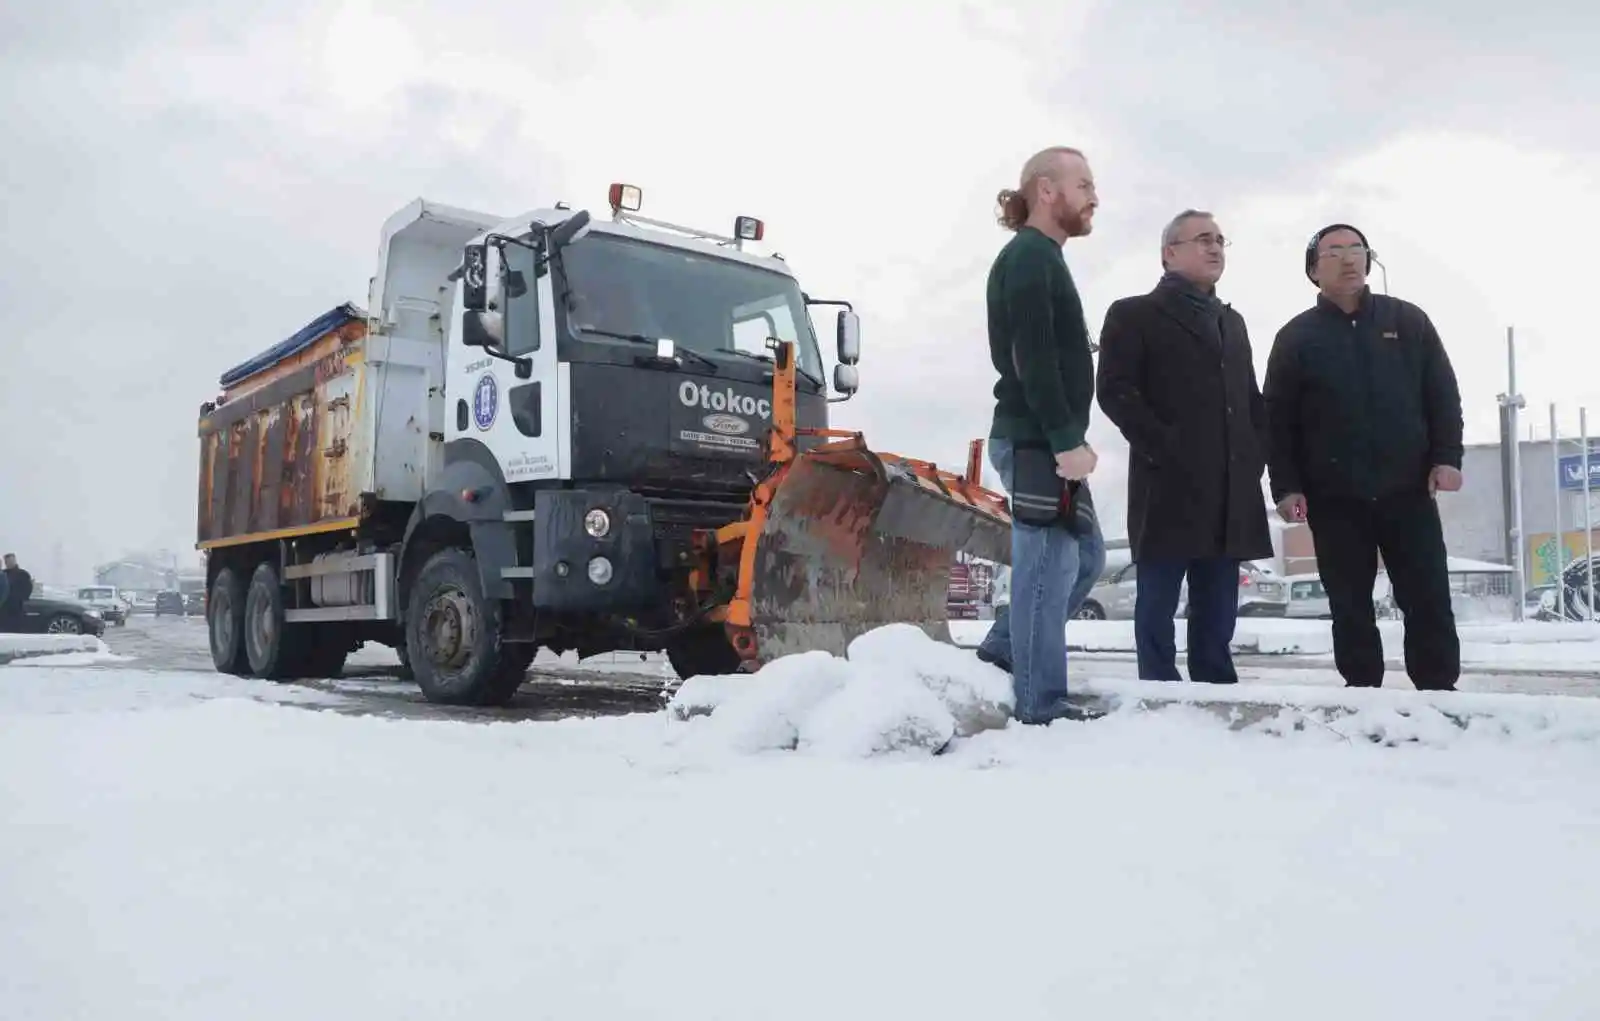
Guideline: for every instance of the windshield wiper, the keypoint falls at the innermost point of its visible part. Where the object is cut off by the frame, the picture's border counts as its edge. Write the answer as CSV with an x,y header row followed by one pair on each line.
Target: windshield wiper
x,y
769,360
639,338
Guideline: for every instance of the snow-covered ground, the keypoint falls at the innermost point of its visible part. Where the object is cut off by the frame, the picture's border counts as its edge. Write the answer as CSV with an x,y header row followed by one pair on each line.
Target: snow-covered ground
x,y
1531,644
174,857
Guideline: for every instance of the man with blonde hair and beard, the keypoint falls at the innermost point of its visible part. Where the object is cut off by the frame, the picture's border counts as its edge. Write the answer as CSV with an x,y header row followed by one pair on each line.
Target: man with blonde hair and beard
x,y
1039,343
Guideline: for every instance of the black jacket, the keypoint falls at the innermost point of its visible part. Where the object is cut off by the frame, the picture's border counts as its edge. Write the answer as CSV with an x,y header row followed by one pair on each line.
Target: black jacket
x,y
1177,377
17,592
1360,406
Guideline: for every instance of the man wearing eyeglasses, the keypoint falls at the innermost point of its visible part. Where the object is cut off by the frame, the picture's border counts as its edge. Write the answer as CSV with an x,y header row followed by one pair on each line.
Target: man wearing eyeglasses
x,y
1365,420
1177,377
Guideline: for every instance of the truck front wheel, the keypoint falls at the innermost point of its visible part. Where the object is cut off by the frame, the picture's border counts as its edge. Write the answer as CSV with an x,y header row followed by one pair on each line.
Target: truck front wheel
x,y
453,636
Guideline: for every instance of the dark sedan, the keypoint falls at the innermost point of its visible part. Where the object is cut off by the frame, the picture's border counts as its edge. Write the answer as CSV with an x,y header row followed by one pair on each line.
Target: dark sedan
x,y
44,615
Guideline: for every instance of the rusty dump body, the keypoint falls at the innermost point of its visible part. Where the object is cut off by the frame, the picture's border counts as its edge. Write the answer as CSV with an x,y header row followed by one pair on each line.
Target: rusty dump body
x,y
275,446
303,436
841,539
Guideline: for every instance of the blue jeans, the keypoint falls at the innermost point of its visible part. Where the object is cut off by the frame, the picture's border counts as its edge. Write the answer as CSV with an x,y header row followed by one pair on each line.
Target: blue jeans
x,y
1213,614
1052,571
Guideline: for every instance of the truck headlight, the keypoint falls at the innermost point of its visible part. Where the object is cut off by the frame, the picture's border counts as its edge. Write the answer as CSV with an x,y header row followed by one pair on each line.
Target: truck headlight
x,y
597,523
599,570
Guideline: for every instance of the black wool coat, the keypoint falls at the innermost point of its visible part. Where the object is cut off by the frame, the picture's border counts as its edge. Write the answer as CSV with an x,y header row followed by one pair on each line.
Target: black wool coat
x,y
1180,383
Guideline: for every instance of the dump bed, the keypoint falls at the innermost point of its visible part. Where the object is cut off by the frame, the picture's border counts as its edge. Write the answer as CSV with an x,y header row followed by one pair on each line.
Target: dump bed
x,y
305,435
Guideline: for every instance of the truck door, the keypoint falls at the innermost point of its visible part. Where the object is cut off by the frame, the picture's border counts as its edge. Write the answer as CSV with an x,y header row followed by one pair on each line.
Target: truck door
x,y
512,412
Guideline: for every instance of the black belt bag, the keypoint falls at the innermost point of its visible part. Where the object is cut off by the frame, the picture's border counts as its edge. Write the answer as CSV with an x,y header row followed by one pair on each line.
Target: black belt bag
x,y
1041,498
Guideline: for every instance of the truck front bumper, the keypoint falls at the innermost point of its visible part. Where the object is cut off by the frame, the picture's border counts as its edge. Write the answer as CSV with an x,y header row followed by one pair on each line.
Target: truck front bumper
x,y
594,550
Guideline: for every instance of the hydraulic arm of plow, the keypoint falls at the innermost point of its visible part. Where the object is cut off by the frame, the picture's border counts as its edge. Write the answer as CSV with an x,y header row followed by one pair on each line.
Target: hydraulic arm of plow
x,y
839,539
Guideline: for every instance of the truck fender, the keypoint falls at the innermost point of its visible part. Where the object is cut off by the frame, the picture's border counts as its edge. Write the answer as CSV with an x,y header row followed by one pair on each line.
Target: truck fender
x,y
494,543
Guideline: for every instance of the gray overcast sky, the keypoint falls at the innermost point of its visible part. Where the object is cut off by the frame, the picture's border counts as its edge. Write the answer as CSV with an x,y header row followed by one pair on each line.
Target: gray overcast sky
x,y
184,187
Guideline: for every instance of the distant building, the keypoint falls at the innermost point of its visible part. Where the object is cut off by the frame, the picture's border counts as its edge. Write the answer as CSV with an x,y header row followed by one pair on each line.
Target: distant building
x,y
137,573
1474,519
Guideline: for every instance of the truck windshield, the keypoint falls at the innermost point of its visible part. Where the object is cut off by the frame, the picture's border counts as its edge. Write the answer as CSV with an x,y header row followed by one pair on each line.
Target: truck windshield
x,y
709,305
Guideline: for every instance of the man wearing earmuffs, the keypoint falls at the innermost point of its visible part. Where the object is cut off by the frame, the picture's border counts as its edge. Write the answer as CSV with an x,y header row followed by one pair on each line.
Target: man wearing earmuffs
x,y
1364,420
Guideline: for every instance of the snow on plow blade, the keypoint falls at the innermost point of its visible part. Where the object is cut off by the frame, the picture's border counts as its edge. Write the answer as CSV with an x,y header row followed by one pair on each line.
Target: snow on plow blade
x,y
851,540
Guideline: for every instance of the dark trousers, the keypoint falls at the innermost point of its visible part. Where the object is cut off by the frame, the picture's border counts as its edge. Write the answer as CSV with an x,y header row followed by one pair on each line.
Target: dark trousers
x,y
1213,612
1348,536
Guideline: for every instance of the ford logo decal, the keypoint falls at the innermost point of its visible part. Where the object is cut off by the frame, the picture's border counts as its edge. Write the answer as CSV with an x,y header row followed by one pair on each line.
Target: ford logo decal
x,y
727,425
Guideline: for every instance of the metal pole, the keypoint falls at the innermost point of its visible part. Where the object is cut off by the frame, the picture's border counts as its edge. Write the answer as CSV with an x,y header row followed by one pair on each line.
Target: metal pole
x,y
1588,519
1510,402
1560,541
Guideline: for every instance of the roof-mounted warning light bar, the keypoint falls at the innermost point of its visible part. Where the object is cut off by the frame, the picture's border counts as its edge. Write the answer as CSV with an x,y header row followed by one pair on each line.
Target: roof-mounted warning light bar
x,y
627,198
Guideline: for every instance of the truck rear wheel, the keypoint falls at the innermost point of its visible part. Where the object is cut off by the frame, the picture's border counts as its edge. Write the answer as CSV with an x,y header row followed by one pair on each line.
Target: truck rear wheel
x,y
225,623
274,648
453,636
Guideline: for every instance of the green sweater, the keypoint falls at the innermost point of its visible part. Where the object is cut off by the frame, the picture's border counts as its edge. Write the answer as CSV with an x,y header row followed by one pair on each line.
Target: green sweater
x,y
1039,342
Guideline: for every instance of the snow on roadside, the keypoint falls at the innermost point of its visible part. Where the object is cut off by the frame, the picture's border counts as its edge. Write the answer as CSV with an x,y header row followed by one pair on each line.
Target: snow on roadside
x,y
901,693
15,647
1531,643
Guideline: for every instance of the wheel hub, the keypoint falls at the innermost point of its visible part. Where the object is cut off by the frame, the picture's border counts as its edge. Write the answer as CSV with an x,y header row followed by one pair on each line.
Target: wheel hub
x,y
449,629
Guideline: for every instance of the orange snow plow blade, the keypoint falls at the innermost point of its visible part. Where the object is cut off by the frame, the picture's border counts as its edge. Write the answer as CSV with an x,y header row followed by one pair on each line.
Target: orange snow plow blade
x,y
839,540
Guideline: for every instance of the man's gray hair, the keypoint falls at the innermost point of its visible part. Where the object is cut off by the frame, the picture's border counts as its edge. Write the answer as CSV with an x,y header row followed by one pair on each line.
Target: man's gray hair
x,y
1169,234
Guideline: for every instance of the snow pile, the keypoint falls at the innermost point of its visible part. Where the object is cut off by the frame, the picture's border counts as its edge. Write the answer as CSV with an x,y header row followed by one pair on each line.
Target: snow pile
x,y
15,647
896,691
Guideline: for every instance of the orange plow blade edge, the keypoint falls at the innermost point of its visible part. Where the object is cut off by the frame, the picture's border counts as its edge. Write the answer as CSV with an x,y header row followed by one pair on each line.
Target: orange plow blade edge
x,y
841,540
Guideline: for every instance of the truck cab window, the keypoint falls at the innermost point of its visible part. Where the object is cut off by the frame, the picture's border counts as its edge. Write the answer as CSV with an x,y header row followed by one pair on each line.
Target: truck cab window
x,y
621,287
752,327
522,311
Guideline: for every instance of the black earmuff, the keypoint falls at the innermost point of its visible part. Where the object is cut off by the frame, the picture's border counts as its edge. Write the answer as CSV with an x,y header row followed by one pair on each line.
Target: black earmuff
x,y
1316,239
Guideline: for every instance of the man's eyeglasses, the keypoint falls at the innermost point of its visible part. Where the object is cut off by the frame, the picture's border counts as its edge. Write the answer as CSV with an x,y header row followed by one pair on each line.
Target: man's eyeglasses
x,y
1344,252
1206,241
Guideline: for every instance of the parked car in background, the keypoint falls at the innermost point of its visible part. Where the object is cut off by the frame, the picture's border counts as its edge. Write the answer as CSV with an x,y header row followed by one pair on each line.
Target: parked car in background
x,y
169,601
46,613
1262,592
1307,598
113,608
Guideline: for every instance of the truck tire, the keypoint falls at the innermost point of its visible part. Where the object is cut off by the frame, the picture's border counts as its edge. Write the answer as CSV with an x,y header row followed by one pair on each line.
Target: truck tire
x,y
703,651
274,648
225,622
453,636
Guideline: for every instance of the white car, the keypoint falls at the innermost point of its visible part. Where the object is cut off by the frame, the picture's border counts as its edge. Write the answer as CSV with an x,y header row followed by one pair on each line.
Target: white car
x,y
1307,598
108,601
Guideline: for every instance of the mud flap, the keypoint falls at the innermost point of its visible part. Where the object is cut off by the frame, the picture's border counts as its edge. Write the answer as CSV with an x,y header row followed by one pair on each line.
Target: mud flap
x,y
851,541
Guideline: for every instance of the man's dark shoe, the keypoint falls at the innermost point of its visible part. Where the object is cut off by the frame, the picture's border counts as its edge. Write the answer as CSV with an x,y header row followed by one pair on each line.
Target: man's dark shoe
x,y
988,657
1067,708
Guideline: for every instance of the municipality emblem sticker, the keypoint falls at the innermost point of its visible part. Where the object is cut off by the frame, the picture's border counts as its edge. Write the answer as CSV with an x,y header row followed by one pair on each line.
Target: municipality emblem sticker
x,y
485,401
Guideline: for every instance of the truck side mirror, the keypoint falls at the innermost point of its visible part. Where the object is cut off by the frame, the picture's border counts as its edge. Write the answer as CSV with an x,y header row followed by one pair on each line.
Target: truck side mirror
x,y
846,379
475,278
849,338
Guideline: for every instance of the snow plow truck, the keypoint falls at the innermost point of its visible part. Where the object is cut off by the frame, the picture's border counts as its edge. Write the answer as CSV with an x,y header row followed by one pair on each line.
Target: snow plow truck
x,y
571,433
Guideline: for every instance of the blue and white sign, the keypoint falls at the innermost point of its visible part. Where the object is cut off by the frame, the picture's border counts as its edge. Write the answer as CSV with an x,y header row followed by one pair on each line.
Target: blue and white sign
x,y
485,401
1572,471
